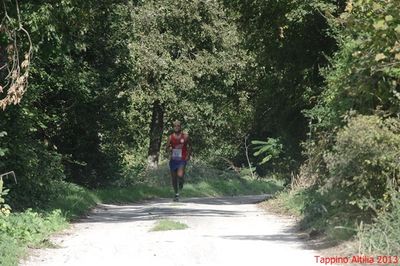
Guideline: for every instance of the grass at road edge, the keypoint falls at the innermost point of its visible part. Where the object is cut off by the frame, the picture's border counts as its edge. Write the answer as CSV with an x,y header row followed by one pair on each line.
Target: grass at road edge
x,y
209,188
331,230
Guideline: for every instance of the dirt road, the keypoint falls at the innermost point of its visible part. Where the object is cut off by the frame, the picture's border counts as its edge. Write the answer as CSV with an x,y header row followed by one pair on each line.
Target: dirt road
x,y
222,231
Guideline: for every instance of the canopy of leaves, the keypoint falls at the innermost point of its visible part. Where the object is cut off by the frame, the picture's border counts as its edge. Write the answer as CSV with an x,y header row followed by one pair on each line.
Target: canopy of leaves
x,y
188,58
365,71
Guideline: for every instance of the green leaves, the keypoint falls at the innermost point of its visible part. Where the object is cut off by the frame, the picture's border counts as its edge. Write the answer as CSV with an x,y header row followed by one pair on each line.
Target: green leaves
x,y
270,149
290,41
3,151
365,70
3,39
189,58
5,209
389,18
380,25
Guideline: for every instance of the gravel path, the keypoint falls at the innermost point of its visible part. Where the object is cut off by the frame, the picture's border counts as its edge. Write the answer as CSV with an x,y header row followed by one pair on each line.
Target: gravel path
x,y
222,231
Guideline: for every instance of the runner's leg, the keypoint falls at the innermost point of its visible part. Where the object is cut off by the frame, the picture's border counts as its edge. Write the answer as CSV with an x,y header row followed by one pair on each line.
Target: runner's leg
x,y
174,178
181,176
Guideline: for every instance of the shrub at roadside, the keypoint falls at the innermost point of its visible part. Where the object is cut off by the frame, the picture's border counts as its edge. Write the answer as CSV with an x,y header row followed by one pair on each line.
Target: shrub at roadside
x,y
364,158
29,228
32,228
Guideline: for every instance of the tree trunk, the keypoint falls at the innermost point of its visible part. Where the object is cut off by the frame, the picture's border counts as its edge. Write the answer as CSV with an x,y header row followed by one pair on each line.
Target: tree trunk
x,y
156,131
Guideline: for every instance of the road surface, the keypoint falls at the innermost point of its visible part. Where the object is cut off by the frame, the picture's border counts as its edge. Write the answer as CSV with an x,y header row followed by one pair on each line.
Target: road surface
x,y
222,231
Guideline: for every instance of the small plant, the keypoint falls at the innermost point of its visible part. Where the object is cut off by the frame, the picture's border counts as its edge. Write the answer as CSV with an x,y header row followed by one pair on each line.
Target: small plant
x,y
5,209
165,225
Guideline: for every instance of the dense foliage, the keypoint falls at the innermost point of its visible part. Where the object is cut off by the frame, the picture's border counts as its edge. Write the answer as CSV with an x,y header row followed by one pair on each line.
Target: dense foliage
x,y
353,150
364,79
291,44
189,66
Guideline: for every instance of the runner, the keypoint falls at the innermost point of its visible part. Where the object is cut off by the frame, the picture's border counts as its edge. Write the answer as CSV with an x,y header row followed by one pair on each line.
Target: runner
x,y
179,149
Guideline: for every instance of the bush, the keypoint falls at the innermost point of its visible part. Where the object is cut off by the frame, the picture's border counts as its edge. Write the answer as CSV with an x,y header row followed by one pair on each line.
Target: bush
x,y
314,170
29,228
36,168
364,157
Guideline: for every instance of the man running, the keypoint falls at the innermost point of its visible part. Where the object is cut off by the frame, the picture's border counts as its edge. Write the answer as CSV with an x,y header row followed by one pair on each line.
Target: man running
x,y
179,149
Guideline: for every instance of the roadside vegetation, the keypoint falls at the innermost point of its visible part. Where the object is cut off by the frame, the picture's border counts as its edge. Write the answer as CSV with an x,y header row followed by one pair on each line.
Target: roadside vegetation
x,y
348,187
356,199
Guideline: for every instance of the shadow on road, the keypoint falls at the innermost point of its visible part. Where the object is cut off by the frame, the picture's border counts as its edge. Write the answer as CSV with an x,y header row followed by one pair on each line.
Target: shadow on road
x,y
162,208
238,200
278,237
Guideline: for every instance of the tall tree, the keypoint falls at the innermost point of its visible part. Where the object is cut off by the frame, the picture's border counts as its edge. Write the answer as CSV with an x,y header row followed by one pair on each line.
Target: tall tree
x,y
188,59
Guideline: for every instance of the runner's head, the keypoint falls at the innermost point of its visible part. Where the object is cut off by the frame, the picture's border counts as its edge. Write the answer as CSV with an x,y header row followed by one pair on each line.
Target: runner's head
x,y
177,126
